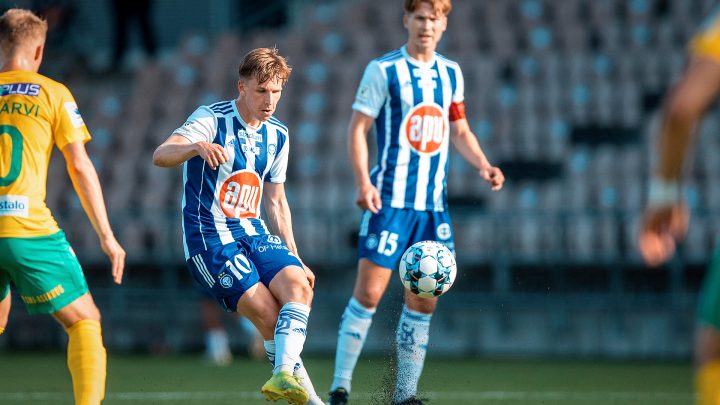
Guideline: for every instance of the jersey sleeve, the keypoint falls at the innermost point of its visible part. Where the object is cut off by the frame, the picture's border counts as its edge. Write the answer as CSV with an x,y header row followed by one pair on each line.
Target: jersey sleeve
x,y
459,94
279,166
707,41
201,126
372,91
68,124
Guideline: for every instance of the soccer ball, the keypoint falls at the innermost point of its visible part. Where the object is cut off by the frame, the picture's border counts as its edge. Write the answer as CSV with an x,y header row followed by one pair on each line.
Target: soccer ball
x,y
427,269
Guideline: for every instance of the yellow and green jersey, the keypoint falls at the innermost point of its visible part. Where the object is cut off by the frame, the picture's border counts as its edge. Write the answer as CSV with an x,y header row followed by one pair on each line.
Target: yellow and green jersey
x,y
35,114
707,41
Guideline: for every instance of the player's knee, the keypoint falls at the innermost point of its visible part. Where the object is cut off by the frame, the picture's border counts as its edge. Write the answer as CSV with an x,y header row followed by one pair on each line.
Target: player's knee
x,y
369,297
682,109
303,293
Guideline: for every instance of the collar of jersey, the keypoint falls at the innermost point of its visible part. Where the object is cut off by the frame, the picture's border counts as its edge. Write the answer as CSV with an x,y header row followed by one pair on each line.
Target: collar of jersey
x,y
426,65
248,127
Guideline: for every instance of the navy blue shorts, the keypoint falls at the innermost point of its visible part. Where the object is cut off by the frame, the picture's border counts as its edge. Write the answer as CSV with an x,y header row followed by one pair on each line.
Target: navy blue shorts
x,y
385,236
227,271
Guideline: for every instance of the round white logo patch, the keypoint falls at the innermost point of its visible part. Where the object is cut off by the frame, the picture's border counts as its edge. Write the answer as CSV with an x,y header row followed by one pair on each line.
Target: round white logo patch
x,y
443,231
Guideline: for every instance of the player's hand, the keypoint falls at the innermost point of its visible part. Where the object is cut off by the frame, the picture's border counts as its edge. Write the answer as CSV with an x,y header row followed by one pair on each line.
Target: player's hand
x,y
212,153
115,252
661,228
310,275
494,176
368,198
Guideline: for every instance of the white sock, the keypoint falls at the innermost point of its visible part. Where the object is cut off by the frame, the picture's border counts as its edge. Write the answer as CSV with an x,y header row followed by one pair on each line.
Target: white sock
x,y
299,371
217,346
354,326
290,332
412,340
270,351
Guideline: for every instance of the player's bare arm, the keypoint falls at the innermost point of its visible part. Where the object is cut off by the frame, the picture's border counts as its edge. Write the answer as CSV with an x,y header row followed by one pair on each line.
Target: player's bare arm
x,y
666,217
368,196
279,218
467,145
177,149
87,185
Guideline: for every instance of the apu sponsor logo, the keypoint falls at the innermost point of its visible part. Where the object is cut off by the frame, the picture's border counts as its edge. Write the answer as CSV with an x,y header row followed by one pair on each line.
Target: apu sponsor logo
x,y
425,128
14,206
274,239
240,195
23,89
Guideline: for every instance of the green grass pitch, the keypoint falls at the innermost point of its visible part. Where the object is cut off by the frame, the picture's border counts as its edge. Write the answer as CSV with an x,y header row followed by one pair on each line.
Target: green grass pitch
x,y
42,378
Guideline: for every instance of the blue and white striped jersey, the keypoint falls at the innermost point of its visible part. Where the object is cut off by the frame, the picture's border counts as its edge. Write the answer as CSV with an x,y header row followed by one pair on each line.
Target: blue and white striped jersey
x,y
411,103
222,205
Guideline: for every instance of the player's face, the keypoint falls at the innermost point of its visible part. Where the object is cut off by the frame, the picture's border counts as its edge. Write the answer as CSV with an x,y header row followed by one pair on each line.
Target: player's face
x,y
425,27
258,100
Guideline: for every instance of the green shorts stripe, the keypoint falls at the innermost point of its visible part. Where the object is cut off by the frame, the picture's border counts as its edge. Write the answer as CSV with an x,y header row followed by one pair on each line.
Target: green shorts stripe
x,y
44,270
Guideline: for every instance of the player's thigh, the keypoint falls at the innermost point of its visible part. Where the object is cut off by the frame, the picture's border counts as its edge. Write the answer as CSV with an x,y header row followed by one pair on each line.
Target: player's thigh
x,y
279,269
80,309
371,282
261,308
291,285
224,272
44,270
5,304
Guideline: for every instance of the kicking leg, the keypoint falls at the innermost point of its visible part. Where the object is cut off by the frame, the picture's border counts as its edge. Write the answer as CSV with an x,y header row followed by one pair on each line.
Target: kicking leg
x,y
412,337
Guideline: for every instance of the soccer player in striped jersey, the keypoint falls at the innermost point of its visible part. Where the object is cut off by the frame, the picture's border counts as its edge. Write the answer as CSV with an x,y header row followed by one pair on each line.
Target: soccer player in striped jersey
x,y
233,154
37,113
414,98
666,216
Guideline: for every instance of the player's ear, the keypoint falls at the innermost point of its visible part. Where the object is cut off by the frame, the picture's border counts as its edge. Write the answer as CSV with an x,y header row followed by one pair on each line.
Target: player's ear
x,y
241,86
38,53
443,23
405,20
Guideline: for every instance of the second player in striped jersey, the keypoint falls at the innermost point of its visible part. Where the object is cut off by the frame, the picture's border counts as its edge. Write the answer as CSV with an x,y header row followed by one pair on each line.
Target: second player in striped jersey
x,y
413,97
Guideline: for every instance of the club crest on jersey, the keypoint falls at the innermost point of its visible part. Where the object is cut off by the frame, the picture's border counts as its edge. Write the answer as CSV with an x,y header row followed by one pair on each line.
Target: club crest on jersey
x,y
424,128
240,195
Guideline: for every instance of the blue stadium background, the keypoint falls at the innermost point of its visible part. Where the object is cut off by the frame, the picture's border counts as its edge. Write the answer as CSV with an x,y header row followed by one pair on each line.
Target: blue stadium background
x,y
563,94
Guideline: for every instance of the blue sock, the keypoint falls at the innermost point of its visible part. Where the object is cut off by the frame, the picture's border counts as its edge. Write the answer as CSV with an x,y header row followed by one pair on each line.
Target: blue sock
x,y
412,339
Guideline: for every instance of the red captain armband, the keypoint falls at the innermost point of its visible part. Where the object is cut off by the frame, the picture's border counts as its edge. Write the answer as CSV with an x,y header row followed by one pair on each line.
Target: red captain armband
x,y
457,111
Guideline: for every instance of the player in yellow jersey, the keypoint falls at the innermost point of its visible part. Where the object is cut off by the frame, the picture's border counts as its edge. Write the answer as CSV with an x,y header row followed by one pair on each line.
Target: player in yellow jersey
x,y
666,216
37,113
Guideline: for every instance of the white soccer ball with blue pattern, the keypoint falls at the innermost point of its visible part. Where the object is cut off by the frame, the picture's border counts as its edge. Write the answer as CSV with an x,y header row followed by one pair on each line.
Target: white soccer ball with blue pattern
x,y
428,269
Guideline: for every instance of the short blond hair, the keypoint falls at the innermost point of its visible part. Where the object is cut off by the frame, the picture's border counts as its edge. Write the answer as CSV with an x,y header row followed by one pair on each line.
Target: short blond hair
x,y
19,27
440,6
265,64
